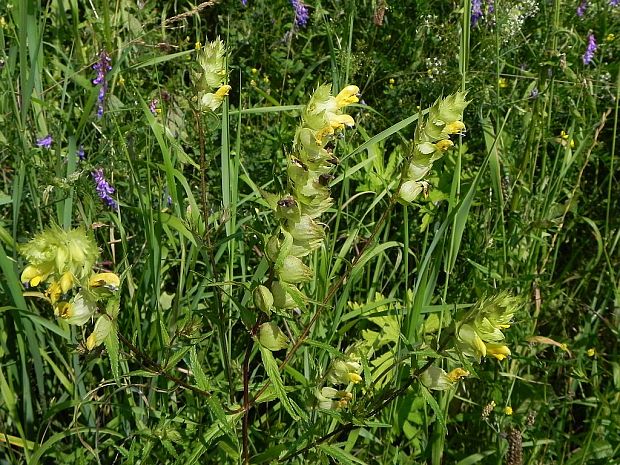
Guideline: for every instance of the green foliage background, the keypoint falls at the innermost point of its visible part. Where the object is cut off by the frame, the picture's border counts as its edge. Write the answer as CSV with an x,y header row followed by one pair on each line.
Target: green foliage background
x,y
515,207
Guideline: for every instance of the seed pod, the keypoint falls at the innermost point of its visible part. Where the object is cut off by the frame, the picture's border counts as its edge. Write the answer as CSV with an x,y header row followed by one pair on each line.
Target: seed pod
x,y
263,299
271,337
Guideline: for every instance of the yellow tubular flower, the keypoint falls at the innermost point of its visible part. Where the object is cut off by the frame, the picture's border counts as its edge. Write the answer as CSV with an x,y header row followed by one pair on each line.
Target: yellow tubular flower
x,y
347,96
499,351
354,378
457,374
223,91
54,291
444,145
32,275
109,280
456,127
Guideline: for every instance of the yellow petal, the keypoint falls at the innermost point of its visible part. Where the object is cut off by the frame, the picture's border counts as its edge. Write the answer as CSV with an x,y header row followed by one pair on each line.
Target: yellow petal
x,y
354,378
347,96
109,280
222,91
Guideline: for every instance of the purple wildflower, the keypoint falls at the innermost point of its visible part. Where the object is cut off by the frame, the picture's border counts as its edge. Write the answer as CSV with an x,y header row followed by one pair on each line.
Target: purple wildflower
x,y
104,189
490,7
614,2
591,48
153,106
102,67
45,142
80,153
581,9
301,13
476,12
244,2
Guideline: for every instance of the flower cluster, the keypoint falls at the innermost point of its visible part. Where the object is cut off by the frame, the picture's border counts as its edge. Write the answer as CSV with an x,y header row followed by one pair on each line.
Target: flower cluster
x,y
65,260
590,50
301,13
103,66
431,141
343,370
210,79
581,9
479,332
479,9
299,233
104,189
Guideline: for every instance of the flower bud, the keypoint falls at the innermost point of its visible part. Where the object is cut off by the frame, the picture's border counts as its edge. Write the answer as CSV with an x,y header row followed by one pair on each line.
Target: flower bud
x,y
294,271
103,326
271,337
212,63
263,299
66,282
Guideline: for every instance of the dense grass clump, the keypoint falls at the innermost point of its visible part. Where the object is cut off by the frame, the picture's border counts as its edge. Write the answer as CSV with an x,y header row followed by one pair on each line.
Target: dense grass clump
x,y
349,232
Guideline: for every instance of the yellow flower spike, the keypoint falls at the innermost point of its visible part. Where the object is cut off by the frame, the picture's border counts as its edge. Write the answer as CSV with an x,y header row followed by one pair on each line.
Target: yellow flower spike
x,y
347,96
109,280
457,374
610,38
499,351
591,352
508,410
254,71
502,83
197,45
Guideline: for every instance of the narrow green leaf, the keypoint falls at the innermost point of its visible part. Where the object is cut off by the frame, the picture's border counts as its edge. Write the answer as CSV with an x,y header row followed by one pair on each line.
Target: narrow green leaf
x,y
430,400
339,455
271,367
111,345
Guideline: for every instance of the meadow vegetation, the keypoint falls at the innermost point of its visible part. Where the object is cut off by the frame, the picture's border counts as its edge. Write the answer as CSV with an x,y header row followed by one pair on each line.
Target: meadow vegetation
x,y
331,231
